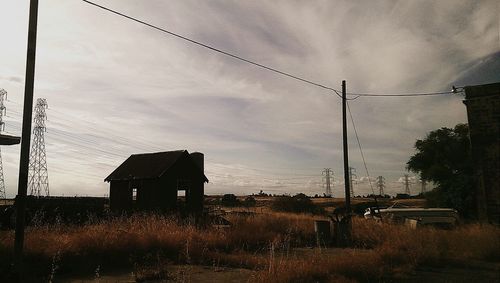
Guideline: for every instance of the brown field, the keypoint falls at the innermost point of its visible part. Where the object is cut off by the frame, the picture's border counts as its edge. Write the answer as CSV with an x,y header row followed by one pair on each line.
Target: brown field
x,y
269,247
263,203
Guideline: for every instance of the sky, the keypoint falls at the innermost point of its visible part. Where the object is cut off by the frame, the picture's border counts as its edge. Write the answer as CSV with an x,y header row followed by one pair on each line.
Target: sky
x,y
116,88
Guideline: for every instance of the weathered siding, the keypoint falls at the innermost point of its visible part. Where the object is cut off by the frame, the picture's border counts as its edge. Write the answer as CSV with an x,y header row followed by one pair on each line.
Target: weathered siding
x,y
120,196
158,191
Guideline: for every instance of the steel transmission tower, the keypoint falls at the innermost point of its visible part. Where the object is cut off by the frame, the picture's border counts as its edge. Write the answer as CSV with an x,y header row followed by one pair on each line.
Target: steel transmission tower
x,y
381,185
407,184
328,179
351,175
424,186
38,178
3,95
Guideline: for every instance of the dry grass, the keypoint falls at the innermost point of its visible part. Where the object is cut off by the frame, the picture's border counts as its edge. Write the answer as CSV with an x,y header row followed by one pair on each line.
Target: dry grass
x,y
393,251
122,242
263,243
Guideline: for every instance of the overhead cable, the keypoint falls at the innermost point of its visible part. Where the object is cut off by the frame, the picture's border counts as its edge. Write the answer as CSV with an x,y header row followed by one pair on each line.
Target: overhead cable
x,y
283,73
360,149
210,47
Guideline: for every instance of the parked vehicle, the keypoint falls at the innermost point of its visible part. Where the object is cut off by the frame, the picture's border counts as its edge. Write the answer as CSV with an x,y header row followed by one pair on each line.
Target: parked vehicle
x,y
423,216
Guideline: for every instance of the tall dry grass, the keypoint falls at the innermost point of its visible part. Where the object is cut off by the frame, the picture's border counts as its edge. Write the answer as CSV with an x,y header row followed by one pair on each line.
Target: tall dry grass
x,y
122,241
264,243
387,251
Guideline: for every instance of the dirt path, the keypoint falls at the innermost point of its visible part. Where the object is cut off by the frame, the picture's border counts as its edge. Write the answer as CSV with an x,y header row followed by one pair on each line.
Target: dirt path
x,y
175,273
474,271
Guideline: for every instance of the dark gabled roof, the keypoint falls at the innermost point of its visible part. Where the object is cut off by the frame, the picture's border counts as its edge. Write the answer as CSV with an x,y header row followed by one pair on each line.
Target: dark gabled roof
x,y
148,165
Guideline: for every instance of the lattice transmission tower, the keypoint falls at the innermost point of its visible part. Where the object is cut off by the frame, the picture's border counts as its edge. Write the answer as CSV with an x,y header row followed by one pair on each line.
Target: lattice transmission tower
x,y
328,179
38,177
381,185
407,184
352,176
3,95
424,186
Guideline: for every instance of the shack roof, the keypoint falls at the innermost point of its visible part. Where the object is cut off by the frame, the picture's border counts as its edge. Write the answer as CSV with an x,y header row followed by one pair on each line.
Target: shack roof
x,y
149,165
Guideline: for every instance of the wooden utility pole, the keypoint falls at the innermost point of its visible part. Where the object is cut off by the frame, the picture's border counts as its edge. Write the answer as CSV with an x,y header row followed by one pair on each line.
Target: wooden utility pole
x,y
347,236
26,137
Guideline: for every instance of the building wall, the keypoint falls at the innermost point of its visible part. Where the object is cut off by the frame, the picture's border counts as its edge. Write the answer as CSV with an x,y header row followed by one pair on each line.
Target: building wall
x,y
188,170
483,112
120,196
197,194
160,194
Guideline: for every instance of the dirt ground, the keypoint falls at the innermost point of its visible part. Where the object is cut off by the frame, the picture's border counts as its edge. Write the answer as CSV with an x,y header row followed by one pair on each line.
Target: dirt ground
x,y
175,273
476,271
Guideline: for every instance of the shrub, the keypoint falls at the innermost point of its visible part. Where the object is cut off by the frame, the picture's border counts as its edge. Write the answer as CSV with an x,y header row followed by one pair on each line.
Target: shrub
x,y
230,200
299,203
249,201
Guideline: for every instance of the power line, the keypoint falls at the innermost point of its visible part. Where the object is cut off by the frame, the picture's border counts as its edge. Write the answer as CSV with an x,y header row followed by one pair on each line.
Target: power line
x,y
360,149
113,153
210,47
400,94
268,68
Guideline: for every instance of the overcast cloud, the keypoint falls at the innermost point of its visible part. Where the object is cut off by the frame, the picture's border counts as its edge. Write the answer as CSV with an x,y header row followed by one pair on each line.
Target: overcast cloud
x,y
115,87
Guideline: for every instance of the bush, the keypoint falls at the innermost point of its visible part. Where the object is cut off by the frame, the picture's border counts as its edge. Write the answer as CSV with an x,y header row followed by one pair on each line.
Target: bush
x,y
249,201
299,203
230,200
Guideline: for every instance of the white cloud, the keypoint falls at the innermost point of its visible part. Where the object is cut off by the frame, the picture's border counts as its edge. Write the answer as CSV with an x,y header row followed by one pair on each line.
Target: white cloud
x,y
115,87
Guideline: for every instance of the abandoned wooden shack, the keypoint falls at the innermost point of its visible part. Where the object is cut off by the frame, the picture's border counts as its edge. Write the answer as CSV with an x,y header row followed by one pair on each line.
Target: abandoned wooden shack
x,y
151,181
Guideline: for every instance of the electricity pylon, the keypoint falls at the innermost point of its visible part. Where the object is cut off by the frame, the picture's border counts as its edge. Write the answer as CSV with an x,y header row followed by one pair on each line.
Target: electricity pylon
x,y
424,186
407,184
352,175
328,179
3,94
381,185
38,178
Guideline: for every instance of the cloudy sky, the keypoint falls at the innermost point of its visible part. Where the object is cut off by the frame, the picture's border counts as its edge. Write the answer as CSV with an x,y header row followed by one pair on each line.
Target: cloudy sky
x,y
115,87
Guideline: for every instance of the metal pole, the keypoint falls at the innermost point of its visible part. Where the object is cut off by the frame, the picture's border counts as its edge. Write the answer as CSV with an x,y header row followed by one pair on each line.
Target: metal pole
x,y
26,136
347,236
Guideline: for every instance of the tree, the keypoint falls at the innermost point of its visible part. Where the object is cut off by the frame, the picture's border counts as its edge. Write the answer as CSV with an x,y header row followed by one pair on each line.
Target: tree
x,y
444,157
299,203
230,200
249,201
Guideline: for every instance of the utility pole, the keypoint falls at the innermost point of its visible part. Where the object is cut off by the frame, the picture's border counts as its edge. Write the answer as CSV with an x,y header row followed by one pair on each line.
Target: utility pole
x,y
328,179
407,184
3,94
351,175
381,185
26,137
38,177
348,228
